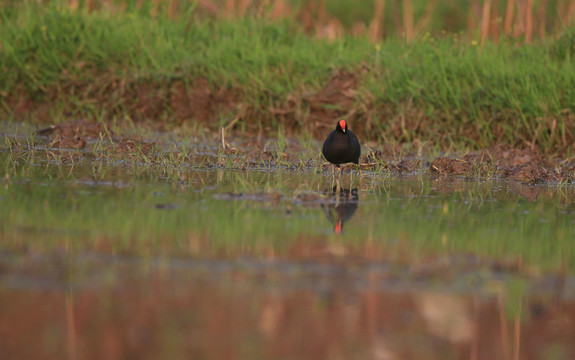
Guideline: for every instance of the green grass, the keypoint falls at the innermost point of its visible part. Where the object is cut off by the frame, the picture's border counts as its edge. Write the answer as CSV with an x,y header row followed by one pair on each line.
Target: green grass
x,y
445,90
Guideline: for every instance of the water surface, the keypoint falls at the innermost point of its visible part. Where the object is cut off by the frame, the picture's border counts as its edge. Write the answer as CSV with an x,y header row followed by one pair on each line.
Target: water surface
x,y
124,259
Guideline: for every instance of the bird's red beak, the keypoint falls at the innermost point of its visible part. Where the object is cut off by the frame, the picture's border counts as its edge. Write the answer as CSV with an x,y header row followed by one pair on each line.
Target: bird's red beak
x,y
338,226
342,125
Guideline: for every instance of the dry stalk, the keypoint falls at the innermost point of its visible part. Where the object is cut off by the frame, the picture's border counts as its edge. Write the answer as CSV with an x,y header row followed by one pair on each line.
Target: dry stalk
x,y
570,19
494,26
154,10
375,31
485,20
408,19
243,7
230,7
425,19
541,16
280,9
471,18
529,22
173,9
509,17
209,6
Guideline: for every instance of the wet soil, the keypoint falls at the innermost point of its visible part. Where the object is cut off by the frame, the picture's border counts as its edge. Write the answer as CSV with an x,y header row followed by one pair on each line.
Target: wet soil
x,y
500,161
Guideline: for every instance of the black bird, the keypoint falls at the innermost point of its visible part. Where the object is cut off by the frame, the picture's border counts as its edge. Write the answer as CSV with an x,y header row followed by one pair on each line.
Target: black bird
x,y
341,146
340,207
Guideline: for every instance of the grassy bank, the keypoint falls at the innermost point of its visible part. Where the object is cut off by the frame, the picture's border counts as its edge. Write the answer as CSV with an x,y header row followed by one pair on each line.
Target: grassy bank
x,y
254,74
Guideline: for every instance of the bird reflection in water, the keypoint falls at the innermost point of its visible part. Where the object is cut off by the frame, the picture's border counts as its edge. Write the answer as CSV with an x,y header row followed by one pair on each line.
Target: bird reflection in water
x,y
340,206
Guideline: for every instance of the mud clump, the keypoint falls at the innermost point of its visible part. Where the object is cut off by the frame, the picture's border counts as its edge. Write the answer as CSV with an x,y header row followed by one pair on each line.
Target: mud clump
x,y
73,134
531,173
386,153
79,128
77,133
133,146
449,166
504,156
386,158
523,165
68,142
407,166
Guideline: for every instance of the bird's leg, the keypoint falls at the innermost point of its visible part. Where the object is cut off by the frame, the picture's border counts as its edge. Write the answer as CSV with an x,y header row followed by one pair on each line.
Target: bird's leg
x,y
337,192
350,175
332,174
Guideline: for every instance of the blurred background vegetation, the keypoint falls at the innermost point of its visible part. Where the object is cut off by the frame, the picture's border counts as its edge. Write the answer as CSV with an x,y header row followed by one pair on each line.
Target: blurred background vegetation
x,y
464,72
377,19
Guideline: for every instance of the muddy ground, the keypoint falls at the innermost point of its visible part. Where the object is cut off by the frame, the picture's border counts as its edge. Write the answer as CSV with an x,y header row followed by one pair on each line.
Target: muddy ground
x,y
499,161
166,104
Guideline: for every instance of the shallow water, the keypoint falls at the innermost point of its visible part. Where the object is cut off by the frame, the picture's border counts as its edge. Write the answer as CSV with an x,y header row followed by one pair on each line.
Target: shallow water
x,y
123,259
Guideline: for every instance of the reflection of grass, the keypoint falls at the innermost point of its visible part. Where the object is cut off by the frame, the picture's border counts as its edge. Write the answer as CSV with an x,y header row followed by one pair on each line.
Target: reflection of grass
x,y
444,90
152,212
